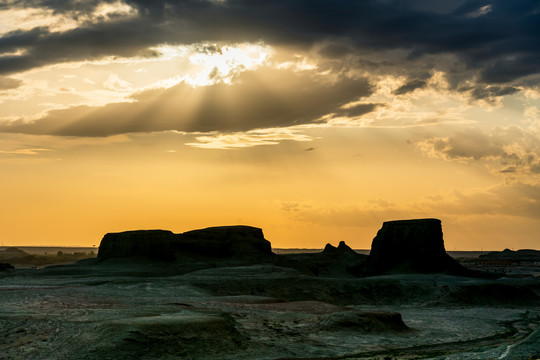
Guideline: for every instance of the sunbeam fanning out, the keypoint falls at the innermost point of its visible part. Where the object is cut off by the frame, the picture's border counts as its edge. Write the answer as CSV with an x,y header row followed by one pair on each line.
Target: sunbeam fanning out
x,y
208,64
224,63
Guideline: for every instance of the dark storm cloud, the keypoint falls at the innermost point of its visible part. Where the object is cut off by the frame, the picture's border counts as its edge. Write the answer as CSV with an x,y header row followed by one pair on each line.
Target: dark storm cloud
x,y
506,70
269,98
43,48
497,39
335,50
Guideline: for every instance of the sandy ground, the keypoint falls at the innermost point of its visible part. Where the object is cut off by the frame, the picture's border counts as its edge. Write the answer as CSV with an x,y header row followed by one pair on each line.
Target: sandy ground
x,y
262,312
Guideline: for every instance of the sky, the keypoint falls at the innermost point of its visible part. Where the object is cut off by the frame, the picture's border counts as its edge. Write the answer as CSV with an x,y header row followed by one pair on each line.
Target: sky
x,y
314,120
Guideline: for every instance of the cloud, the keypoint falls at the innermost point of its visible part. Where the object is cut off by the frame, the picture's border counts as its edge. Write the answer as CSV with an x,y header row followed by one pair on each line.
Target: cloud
x,y
7,83
496,42
504,70
267,98
410,86
114,83
515,200
248,139
349,216
471,144
17,144
24,151
490,93
483,10
357,110
536,168
509,150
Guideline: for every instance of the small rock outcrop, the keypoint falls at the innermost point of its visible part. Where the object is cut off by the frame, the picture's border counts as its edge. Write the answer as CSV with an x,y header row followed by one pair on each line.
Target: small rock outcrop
x,y
215,242
410,246
525,255
6,266
12,251
342,249
13,255
332,261
186,333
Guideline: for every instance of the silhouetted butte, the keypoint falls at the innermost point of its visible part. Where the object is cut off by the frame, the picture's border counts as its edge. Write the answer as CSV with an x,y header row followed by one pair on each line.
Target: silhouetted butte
x,y
411,246
237,242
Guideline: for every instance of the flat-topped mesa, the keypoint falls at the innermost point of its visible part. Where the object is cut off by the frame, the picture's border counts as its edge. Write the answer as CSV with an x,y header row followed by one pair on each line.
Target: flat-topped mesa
x,y
226,241
156,244
410,246
214,242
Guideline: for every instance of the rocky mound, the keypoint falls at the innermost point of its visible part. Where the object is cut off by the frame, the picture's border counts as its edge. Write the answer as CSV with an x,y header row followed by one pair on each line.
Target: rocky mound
x,y
13,255
364,321
332,261
215,242
507,254
176,335
411,246
342,250
5,266
342,257
12,251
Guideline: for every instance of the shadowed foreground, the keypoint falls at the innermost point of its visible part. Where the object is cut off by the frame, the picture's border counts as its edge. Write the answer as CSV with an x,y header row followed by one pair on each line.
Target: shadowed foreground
x,y
235,299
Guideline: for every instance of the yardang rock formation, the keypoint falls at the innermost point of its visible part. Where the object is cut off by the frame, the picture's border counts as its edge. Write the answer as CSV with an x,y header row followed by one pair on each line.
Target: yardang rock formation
x,y
403,246
411,246
215,242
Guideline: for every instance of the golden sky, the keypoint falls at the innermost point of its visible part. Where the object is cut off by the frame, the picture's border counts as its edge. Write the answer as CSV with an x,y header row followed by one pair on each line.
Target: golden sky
x,y
316,121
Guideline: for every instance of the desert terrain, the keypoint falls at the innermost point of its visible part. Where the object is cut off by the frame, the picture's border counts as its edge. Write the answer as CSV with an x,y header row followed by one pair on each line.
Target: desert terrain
x,y
254,304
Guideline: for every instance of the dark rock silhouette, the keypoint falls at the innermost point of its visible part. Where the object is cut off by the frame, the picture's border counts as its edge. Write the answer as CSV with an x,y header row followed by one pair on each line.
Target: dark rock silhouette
x,y
5,266
411,246
403,246
507,254
342,249
343,256
333,261
13,251
215,242
13,255
155,244
226,241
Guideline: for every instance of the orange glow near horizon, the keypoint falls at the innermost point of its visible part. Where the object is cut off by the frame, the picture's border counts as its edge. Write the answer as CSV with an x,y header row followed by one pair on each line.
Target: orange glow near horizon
x,y
301,199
